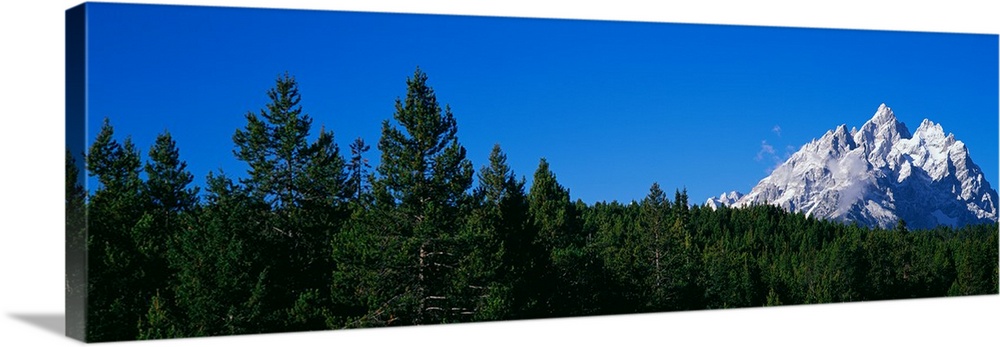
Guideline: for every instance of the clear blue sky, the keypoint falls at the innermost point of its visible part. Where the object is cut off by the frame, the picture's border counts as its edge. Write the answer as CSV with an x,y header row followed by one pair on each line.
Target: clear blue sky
x,y
613,106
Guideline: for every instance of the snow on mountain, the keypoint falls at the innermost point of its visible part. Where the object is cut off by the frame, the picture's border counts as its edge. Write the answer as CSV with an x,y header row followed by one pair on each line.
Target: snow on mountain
x,y
725,199
877,174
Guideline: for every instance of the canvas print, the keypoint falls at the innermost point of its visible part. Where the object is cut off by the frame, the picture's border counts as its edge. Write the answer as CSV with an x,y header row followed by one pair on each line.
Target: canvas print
x,y
243,171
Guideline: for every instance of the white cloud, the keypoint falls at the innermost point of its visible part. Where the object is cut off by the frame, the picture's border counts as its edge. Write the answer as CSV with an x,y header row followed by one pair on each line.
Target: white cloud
x,y
766,150
769,154
777,130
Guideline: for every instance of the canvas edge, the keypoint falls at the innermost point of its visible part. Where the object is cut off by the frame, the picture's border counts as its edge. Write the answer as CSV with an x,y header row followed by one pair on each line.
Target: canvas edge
x,y
76,117
76,98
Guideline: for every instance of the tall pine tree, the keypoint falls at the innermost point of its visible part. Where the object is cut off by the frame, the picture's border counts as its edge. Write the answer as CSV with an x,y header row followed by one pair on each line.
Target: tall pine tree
x,y
424,177
358,168
305,186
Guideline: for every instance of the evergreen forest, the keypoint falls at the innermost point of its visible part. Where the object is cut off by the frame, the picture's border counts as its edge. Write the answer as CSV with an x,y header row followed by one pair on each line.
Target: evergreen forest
x,y
312,237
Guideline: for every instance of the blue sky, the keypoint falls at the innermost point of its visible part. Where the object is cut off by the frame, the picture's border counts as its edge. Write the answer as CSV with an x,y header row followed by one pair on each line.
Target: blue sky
x,y
613,106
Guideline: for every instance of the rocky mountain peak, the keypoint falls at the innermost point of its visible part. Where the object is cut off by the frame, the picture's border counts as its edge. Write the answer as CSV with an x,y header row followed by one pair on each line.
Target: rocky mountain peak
x,y
877,174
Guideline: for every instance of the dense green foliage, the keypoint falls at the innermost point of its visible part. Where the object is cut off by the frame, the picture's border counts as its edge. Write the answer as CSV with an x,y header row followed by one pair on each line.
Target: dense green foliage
x,y
309,240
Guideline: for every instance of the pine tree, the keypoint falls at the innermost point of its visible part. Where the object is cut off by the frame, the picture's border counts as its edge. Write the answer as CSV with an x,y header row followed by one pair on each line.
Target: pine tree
x,y
565,284
423,164
499,245
422,187
275,147
325,187
358,169
686,260
168,195
681,207
305,186
654,217
285,169
550,208
167,178
663,250
114,212
168,198
496,180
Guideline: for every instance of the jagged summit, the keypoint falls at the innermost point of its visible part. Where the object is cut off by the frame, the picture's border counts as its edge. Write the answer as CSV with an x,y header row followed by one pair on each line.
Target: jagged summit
x,y
879,133
726,199
877,174
883,115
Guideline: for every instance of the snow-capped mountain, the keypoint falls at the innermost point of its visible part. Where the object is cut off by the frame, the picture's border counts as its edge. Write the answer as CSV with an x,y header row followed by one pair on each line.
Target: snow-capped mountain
x,y
727,199
878,174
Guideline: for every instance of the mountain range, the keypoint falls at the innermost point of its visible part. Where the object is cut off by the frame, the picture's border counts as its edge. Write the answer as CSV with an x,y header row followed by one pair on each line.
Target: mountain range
x,y
876,175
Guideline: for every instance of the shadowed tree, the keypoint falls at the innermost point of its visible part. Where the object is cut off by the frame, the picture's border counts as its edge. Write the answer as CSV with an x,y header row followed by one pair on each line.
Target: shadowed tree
x,y
500,254
220,275
566,283
168,200
76,243
114,264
